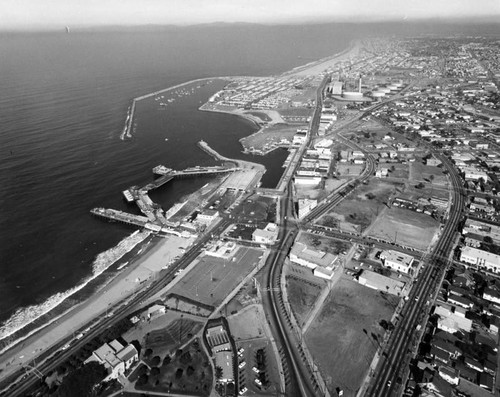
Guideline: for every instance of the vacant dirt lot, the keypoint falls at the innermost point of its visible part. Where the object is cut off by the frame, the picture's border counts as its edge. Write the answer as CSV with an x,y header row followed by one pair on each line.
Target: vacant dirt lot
x,y
361,208
270,134
302,295
337,338
426,173
407,227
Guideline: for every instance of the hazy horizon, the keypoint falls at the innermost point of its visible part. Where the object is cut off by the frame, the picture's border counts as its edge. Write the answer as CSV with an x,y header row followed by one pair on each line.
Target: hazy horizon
x,y
19,15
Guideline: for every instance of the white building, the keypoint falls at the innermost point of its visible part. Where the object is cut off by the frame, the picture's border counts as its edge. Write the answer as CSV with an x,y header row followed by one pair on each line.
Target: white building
x,y
480,258
307,180
382,173
115,357
381,283
207,216
322,263
305,206
474,174
268,235
222,249
397,260
452,322
449,374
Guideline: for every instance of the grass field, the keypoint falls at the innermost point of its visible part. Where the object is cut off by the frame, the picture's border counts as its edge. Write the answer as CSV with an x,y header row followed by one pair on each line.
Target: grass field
x,y
326,244
188,372
336,338
212,279
362,207
175,334
407,227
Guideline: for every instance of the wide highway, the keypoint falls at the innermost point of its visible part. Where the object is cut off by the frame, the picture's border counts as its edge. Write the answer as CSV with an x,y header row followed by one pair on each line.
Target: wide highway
x,y
389,376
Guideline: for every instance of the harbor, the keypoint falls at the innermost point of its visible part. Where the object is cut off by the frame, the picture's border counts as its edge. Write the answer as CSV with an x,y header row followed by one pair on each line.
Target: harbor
x,y
155,218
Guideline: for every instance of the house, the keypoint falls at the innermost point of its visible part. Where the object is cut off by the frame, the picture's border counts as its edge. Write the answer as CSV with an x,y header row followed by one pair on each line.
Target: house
x,y
461,301
449,374
451,322
486,381
115,357
447,347
474,364
492,295
440,355
268,235
397,260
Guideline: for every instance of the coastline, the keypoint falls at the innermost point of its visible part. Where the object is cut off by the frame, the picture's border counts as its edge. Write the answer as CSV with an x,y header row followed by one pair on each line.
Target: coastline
x,y
116,282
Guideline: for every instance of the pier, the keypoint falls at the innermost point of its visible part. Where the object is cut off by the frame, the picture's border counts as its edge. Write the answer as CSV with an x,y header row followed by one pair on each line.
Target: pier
x,y
154,217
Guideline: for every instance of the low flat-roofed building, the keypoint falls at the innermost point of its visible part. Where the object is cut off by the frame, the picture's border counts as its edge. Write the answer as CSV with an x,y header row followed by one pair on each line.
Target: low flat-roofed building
x,y
207,216
222,249
480,258
268,235
155,311
382,283
224,360
218,339
397,260
311,258
451,322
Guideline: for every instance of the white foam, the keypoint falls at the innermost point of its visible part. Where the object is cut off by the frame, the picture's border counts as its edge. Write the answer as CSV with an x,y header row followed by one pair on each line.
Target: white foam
x,y
104,260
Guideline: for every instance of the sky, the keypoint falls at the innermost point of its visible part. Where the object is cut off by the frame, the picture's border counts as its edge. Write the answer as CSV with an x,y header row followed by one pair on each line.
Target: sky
x,y
42,14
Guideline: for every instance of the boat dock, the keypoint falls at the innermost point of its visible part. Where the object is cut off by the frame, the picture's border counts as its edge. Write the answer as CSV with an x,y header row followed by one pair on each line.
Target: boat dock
x,y
154,217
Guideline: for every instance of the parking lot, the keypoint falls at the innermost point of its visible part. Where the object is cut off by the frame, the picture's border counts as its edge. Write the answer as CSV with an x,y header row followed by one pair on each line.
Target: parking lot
x,y
257,369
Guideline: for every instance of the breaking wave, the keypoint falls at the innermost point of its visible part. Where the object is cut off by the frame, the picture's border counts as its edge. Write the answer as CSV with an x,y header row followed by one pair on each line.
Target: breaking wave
x,y
103,261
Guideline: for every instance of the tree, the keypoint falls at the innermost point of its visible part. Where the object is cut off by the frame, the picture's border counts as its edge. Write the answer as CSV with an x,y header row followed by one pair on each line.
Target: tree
x,y
155,361
155,371
143,379
218,372
148,353
166,360
178,373
82,381
189,371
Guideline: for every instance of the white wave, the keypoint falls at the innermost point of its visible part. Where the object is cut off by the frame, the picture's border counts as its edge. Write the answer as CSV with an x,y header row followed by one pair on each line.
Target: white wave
x,y
104,260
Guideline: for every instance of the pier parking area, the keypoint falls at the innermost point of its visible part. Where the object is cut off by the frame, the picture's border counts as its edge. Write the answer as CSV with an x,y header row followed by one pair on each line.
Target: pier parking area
x,y
212,279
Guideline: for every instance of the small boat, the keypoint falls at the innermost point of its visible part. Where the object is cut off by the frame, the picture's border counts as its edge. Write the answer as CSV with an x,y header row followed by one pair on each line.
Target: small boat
x,y
166,139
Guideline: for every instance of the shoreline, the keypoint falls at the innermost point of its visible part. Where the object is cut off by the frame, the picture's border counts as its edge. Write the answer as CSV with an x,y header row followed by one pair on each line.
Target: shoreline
x,y
141,257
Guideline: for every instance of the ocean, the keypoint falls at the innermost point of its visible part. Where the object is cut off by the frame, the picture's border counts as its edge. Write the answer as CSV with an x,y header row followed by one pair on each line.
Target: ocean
x,y
63,103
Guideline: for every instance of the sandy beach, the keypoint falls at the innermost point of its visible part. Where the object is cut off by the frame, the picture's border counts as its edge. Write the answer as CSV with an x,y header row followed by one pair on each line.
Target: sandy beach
x,y
128,282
